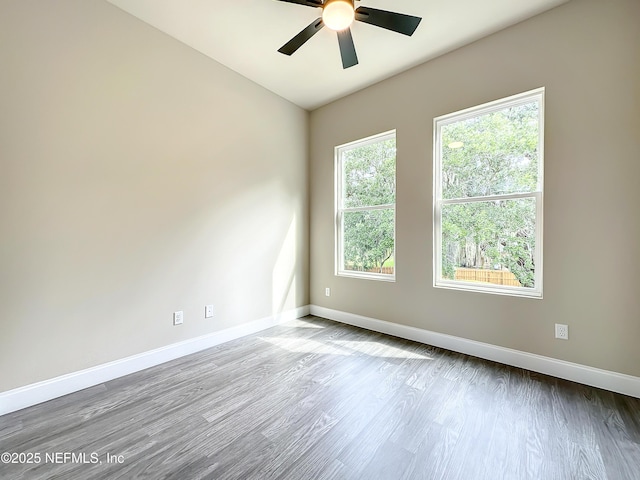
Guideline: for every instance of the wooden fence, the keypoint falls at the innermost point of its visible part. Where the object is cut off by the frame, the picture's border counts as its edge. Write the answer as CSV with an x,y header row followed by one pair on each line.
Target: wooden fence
x,y
497,277
386,270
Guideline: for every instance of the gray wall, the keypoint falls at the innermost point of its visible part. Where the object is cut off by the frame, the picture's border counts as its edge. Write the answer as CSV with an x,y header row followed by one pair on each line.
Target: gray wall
x,y
138,177
587,55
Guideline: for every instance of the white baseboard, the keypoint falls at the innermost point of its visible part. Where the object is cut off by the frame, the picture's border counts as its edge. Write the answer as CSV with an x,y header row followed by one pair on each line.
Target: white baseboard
x,y
35,393
595,377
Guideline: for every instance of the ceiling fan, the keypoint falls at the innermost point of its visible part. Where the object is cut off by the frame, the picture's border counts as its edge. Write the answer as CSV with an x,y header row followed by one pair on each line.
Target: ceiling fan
x,y
338,15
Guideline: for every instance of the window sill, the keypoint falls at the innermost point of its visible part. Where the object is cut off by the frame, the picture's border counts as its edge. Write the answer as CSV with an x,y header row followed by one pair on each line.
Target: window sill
x,y
495,290
367,276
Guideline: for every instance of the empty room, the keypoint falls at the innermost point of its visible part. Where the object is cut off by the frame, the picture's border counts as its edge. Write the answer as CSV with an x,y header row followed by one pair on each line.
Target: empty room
x,y
320,239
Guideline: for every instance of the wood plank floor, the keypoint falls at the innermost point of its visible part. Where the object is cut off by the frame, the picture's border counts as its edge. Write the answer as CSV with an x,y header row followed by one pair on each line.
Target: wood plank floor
x,y
314,399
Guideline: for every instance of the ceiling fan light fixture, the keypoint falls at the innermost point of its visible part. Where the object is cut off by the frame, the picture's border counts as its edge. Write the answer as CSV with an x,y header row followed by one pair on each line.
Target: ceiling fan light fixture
x,y
338,14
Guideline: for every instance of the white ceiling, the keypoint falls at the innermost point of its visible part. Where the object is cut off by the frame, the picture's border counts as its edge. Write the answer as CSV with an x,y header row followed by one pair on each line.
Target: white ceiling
x,y
245,35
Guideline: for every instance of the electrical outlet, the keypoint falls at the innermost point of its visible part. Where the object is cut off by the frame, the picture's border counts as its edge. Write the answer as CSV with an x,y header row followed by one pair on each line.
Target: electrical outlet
x,y
327,292
178,317
562,331
208,311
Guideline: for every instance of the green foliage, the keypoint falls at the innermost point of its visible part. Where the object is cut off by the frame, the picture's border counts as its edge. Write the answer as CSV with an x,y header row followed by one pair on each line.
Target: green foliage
x,y
369,180
368,239
494,235
369,175
499,155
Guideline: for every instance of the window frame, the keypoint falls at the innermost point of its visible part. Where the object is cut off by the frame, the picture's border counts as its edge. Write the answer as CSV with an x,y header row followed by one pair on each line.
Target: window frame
x,y
339,210
538,194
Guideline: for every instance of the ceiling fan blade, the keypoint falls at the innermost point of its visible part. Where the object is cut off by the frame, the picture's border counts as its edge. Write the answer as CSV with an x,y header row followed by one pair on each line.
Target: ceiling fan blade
x,y
308,3
296,42
347,48
398,22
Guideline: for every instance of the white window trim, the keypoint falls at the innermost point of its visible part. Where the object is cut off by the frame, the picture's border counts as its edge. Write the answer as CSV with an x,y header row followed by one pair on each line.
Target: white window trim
x,y
438,201
339,211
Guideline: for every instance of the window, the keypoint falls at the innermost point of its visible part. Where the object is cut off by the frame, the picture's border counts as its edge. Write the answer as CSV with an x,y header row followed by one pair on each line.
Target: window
x,y
365,207
488,197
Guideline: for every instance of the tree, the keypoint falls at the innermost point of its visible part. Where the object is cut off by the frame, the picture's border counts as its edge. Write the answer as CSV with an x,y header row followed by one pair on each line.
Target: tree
x,y
368,180
498,155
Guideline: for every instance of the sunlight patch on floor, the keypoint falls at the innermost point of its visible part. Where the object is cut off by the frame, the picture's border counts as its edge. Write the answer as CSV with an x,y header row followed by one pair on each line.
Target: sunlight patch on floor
x,y
378,349
306,346
299,323
342,347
